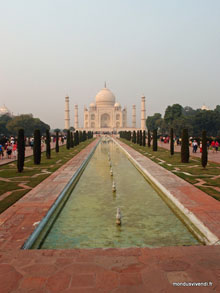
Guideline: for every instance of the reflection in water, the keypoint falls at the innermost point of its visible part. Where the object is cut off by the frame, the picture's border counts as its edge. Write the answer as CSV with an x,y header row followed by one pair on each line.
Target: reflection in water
x,y
88,219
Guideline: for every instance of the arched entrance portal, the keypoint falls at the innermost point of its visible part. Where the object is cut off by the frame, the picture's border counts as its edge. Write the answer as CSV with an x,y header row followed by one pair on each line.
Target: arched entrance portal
x,y
105,121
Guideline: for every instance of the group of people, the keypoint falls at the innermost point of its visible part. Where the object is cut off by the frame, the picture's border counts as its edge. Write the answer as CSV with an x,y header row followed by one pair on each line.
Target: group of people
x,y
214,146
8,150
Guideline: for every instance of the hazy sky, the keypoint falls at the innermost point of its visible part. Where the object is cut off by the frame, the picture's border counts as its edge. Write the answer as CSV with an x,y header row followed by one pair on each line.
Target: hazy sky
x,y
168,50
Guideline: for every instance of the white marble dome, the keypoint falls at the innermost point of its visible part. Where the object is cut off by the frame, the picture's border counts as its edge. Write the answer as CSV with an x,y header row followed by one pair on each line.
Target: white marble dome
x,y
4,111
92,105
117,105
105,98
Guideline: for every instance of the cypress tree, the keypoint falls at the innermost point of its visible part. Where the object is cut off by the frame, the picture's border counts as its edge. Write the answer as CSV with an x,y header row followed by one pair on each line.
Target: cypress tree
x,y
77,137
171,142
37,147
71,140
57,142
80,136
74,135
21,150
84,136
204,157
48,151
140,138
68,140
185,146
155,140
144,138
148,138
134,137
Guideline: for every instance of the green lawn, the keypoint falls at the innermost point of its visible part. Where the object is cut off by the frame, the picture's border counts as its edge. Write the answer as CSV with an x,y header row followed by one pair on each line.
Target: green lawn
x,y
32,174
192,172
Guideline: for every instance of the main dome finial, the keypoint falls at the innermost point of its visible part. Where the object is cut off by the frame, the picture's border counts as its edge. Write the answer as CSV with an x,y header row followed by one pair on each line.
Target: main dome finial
x,y
105,85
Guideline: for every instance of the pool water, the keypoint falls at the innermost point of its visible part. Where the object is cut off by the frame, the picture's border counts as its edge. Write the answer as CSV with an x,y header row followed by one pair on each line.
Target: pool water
x,y
88,219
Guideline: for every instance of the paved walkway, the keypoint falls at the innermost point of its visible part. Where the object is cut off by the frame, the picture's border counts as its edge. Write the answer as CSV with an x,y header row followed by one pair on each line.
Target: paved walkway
x,y
28,153
212,157
136,270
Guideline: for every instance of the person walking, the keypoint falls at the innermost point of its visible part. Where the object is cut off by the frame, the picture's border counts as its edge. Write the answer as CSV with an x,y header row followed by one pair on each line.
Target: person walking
x,y
195,146
14,149
1,151
9,151
213,146
216,146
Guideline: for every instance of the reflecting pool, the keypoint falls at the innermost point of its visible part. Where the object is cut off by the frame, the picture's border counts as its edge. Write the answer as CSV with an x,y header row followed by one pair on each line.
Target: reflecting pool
x,y
88,219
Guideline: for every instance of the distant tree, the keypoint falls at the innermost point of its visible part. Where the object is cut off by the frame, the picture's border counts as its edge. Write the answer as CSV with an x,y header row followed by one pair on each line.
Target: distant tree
x,y
172,112
204,158
217,109
144,138
21,150
171,142
37,147
72,128
154,122
28,123
155,140
57,141
48,151
56,130
4,119
148,138
68,140
140,138
185,146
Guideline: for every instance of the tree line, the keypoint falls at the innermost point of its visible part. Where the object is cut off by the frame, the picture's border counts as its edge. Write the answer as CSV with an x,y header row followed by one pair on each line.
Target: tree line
x,y
11,125
73,139
139,137
178,117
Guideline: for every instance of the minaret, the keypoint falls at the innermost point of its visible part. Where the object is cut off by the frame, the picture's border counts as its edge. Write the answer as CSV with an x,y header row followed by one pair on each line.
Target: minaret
x,y
143,114
134,116
67,113
76,121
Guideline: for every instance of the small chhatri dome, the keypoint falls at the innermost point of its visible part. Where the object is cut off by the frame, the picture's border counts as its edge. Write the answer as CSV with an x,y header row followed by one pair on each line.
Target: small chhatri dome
x,y
92,105
117,105
105,98
204,107
4,111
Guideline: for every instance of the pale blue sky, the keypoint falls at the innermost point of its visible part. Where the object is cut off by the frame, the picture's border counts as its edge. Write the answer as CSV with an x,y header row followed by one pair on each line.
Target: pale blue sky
x,y
168,50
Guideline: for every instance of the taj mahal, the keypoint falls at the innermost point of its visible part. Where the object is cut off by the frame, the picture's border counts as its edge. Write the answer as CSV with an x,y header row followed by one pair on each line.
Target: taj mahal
x,y
105,114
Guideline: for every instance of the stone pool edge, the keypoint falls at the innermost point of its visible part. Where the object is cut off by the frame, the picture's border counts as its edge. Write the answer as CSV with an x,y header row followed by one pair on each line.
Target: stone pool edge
x,y
206,234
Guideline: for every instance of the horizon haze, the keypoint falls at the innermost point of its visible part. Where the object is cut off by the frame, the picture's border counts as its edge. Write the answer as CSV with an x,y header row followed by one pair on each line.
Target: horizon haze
x,y
168,51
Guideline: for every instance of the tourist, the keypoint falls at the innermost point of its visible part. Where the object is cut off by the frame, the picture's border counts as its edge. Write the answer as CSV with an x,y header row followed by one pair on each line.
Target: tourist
x,y
200,147
9,151
1,151
195,146
208,145
14,149
213,146
216,146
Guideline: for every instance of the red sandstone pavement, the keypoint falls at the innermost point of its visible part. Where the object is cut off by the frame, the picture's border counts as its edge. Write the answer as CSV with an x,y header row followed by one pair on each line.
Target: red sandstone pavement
x,y
212,156
93,270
